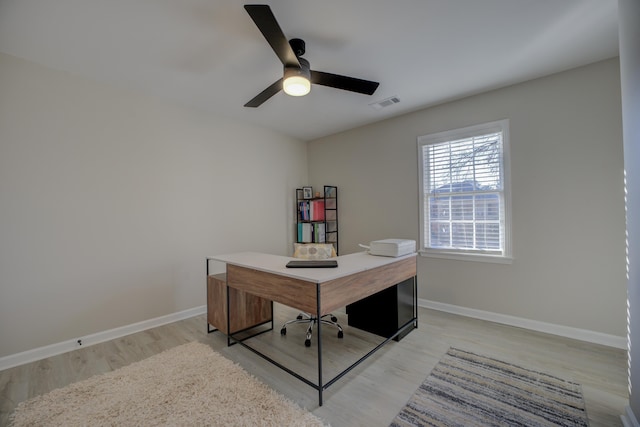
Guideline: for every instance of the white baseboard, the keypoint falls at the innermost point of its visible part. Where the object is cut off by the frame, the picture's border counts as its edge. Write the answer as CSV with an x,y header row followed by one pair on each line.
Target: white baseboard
x,y
549,328
39,353
28,356
628,418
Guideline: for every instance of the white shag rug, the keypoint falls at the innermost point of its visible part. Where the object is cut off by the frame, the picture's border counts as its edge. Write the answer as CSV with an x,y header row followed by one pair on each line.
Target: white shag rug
x,y
188,385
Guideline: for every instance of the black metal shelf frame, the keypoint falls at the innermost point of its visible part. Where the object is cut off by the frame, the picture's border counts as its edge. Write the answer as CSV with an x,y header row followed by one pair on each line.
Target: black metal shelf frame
x,y
330,197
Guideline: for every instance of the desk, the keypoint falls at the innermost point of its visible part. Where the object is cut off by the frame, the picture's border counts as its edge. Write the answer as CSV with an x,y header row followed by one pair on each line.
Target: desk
x,y
317,291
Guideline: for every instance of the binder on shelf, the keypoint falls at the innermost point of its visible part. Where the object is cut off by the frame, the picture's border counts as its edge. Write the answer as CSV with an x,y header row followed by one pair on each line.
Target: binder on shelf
x,y
303,208
318,232
317,210
306,233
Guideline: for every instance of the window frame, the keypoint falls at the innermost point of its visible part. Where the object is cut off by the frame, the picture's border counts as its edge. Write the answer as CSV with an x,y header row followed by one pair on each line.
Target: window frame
x,y
454,135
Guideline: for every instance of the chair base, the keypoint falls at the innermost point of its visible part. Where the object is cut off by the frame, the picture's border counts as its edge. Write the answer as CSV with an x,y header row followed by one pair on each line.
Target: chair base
x,y
312,320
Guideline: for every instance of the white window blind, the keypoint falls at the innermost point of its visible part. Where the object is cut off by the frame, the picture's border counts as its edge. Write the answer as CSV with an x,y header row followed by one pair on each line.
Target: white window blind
x,y
463,191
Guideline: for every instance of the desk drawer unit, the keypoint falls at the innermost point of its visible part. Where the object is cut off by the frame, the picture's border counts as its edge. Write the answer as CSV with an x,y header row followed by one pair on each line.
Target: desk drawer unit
x,y
385,312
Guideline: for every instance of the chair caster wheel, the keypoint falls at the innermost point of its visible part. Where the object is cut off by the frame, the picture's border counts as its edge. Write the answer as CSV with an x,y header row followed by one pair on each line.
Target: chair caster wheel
x,y
299,317
334,319
340,334
307,343
283,331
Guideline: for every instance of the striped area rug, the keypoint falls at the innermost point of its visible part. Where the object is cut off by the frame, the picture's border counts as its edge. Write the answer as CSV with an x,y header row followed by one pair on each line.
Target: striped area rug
x,y
466,389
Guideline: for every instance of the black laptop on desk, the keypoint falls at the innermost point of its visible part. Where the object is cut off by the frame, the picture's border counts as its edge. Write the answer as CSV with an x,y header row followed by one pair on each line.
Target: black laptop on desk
x,y
313,263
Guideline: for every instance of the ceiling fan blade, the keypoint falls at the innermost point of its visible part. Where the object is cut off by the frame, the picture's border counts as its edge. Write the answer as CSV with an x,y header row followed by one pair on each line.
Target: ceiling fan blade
x,y
343,82
268,26
265,94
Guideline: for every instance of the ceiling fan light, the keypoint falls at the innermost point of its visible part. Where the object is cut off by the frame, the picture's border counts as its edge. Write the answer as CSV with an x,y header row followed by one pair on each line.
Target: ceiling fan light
x,y
296,86
297,80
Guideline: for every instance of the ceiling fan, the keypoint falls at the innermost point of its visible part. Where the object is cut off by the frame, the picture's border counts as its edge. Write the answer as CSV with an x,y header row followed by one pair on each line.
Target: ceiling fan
x,y
298,75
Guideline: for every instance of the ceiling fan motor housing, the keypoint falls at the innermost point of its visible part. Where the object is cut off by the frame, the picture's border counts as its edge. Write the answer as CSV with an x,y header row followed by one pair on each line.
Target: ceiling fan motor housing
x,y
303,71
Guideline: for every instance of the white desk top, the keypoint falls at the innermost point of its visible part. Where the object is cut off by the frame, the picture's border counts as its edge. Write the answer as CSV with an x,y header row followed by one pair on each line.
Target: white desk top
x,y
347,264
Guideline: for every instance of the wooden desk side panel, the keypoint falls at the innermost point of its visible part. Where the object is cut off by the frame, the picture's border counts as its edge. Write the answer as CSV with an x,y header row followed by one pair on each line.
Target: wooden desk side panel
x,y
247,310
217,302
286,290
346,290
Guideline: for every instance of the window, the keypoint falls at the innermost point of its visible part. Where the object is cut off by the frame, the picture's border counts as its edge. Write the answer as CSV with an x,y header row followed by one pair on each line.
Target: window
x,y
464,195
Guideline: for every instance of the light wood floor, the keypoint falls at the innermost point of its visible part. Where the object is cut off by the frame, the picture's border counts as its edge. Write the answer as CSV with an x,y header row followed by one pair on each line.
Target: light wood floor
x,y
371,394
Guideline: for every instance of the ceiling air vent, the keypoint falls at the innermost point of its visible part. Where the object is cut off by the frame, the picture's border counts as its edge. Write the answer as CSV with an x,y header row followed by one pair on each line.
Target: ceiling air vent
x,y
385,103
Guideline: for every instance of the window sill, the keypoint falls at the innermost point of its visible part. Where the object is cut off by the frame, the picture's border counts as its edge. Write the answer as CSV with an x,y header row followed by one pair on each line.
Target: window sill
x,y
496,259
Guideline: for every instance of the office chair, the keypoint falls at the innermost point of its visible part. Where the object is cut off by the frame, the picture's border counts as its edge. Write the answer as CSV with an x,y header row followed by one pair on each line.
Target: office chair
x,y
312,320
313,251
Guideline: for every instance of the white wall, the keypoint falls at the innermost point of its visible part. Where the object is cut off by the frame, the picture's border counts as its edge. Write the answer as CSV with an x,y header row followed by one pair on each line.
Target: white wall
x,y
629,13
110,201
567,186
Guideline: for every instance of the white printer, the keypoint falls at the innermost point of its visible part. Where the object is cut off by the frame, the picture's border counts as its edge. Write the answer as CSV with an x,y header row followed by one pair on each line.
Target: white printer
x,y
392,247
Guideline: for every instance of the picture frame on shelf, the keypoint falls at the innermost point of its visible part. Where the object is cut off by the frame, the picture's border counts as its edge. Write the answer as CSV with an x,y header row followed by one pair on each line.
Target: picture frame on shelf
x,y
307,192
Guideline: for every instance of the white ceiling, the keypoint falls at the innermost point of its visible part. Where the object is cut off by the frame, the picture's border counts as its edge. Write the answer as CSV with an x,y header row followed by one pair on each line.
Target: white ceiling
x,y
209,54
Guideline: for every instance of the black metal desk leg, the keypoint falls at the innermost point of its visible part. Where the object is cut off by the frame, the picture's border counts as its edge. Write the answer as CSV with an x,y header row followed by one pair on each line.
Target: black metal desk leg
x,y
319,330
228,316
415,301
206,283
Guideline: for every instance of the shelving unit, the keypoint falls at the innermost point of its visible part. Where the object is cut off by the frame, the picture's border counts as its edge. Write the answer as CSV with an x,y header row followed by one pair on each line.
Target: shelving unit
x,y
317,217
